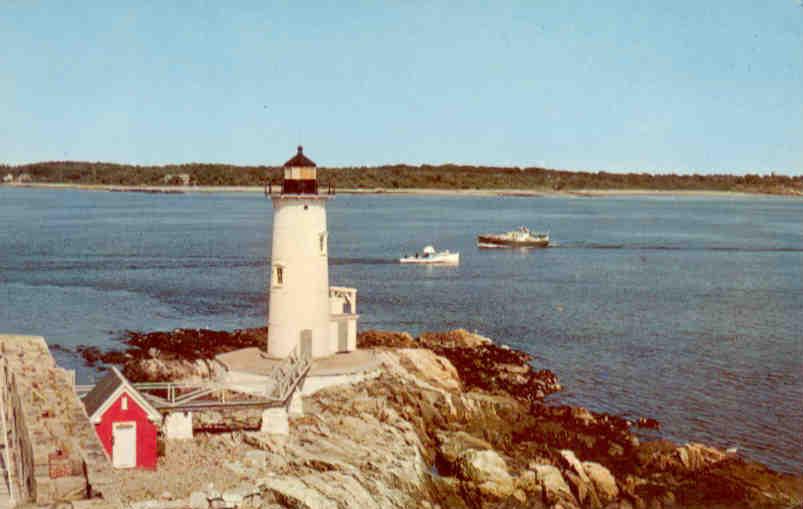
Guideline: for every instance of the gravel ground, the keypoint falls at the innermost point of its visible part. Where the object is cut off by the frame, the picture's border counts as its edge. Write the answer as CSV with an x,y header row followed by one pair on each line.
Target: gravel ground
x,y
187,466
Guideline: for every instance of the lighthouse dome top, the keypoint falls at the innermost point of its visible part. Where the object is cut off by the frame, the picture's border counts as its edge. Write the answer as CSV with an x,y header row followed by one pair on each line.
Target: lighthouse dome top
x,y
299,160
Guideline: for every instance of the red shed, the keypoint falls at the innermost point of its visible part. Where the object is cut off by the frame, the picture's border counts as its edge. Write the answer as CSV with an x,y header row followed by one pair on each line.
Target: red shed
x,y
124,421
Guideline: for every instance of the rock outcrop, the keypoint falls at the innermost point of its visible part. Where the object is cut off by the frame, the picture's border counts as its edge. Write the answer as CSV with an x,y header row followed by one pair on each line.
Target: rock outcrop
x,y
456,421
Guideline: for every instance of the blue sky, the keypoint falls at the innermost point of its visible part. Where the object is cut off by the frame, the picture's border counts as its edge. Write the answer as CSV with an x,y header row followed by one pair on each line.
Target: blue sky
x,y
684,86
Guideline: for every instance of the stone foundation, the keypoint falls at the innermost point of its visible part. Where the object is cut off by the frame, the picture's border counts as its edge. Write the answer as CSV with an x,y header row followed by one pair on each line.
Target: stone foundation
x,y
275,421
178,426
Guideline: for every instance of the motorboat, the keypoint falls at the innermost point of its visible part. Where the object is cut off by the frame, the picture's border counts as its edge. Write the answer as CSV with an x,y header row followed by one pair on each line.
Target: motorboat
x,y
432,257
521,237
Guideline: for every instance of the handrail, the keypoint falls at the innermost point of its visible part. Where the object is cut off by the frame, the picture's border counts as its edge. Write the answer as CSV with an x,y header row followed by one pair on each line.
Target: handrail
x,y
7,458
288,374
284,378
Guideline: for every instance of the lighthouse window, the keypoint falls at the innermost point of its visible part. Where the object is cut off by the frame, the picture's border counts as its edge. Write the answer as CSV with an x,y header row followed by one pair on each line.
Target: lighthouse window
x,y
322,243
278,275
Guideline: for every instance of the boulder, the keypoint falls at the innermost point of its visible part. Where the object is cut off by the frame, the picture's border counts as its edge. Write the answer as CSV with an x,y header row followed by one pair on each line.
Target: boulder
x,y
451,445
377,338
576,475
554,486
603,481
528,482
583,415
488,471
458,338
430,368
695,456
159,370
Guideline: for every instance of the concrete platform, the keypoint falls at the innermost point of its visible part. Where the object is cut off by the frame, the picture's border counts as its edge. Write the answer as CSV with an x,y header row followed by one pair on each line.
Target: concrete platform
x,y
248,360
248,370
254,361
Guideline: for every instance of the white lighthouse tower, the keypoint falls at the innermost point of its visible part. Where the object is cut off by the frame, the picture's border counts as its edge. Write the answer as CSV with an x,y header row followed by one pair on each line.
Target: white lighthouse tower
x,y
305,316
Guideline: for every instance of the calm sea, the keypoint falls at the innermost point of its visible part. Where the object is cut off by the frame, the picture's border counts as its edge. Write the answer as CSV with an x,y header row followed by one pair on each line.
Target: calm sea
x,y
688,310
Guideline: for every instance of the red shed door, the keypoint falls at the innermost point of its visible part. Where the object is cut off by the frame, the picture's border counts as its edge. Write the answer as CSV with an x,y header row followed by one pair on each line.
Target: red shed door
x,y
124,445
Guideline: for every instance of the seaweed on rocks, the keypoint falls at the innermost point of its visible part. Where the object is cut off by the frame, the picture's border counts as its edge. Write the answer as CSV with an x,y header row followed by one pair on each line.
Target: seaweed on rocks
x,y
385,339
178,344
191,344
171,350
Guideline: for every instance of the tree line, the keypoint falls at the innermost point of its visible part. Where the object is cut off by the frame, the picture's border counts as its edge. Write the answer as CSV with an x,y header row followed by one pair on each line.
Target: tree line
x,y
446,176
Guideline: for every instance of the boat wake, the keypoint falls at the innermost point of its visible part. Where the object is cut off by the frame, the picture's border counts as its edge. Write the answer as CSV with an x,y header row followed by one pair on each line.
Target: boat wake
x,y
361,261
485,245
664,247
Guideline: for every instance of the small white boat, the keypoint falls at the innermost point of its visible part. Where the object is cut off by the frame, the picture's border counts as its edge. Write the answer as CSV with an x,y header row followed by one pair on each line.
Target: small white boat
x,y
432,257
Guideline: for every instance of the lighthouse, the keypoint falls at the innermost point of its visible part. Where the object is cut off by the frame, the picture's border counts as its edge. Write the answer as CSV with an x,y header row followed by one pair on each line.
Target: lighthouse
x,y
305,317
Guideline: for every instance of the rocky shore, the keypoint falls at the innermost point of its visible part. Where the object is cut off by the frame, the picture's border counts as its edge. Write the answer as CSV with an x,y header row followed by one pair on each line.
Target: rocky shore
x,y
453,421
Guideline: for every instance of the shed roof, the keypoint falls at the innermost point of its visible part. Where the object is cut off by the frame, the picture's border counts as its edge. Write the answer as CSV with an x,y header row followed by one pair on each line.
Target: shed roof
x,y
299,160
108,389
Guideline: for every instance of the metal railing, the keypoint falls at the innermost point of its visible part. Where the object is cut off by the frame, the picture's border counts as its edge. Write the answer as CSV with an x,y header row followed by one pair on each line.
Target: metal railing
x,y
287,375
282,381
178,394
331,189
9,468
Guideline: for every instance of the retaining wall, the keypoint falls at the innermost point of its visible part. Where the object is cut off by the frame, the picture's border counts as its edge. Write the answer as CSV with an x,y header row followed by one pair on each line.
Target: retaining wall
x,y
55,454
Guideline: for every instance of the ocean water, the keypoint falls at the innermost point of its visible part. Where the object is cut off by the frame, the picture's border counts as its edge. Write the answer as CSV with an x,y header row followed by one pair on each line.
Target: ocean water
x,y
685,309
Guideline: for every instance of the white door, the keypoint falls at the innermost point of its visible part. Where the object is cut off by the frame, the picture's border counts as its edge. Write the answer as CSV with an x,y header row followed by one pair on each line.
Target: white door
x,y
124,445
305,348
342,336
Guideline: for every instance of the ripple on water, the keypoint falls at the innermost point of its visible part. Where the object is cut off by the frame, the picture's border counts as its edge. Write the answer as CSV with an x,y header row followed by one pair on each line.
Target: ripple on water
x,y
687,310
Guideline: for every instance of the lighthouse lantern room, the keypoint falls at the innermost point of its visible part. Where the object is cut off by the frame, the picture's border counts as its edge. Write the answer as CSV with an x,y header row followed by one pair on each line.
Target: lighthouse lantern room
x,y
305,316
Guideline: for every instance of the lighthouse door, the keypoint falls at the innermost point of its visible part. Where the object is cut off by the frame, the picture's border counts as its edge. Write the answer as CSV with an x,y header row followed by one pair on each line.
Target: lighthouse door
x,y
342,336
305,346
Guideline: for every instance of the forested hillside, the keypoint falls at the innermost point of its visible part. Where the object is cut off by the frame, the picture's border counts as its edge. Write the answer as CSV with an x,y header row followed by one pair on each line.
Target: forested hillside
x,y
397,177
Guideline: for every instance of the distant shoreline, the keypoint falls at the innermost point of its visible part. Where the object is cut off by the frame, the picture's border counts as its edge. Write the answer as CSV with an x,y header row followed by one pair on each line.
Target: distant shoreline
x,y
444,179
532,193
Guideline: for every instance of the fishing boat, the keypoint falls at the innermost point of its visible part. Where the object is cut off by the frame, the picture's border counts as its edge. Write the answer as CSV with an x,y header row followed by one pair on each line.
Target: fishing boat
x,y
522,237
432,257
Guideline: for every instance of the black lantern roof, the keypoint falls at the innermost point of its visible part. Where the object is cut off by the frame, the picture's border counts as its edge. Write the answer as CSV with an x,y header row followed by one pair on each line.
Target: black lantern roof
x,y
299,160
